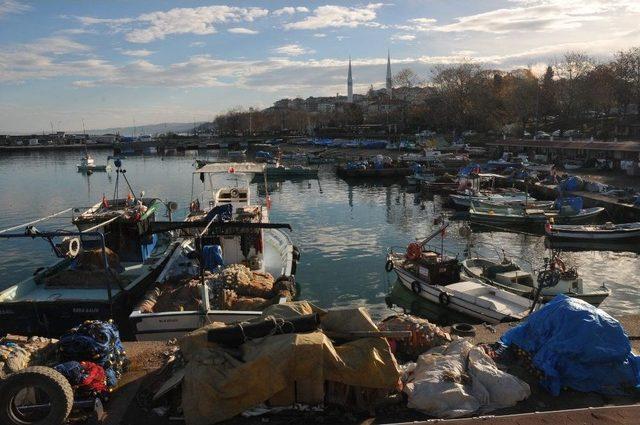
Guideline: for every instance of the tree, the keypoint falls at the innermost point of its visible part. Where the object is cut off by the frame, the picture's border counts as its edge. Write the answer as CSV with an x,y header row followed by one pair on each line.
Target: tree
x,y
407,78
572,72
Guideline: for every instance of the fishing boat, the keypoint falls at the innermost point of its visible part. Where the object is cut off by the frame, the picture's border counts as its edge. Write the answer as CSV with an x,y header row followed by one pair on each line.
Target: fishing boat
x,y
435,277
607,232
108,262
509,276
417,178
508,215
231,232
278,170
571,164
530,204
463,201
88,164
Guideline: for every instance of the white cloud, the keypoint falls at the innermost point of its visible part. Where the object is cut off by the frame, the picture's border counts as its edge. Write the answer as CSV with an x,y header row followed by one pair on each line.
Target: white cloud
x,y
197,20
197,44
293,50
320,35
137,53
290,10
403,37
12,6
418,24
541,15
338,16
239,30
83,84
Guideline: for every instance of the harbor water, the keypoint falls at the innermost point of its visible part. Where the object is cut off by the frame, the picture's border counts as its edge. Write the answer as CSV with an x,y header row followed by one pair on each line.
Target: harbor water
x,y
343,230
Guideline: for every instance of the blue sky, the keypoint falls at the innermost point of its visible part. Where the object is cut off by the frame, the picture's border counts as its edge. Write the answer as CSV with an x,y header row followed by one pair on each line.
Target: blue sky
x,y
109,62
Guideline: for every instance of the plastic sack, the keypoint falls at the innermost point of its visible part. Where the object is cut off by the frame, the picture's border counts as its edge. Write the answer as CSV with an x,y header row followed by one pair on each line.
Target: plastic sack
x,y
579,346
572,184
458,380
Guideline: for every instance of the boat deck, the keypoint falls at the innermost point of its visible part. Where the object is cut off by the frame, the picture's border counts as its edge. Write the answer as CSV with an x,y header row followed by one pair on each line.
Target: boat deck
x,y
489,298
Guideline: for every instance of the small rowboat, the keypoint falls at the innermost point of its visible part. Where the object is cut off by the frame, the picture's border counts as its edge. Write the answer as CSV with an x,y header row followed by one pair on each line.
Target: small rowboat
x,y
510,277
608,232
530,217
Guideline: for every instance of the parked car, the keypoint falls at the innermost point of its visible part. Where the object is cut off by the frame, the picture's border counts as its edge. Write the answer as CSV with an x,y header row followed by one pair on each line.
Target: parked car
x,y
542,135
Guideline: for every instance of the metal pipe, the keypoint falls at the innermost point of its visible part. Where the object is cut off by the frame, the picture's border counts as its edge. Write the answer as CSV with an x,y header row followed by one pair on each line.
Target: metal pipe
x,y
35,221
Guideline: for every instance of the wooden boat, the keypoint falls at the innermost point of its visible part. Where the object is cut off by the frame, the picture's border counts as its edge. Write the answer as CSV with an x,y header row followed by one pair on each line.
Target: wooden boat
x,y
507,215
509,276
436,278
108,262
244,237
607,232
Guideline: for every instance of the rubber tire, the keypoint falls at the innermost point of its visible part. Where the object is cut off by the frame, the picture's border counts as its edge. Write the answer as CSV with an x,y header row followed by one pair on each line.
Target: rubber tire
x,y
51,381
456,329
444,298
415,287
388,267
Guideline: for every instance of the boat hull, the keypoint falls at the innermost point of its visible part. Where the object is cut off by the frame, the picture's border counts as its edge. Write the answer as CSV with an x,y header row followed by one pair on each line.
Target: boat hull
x,y
461,306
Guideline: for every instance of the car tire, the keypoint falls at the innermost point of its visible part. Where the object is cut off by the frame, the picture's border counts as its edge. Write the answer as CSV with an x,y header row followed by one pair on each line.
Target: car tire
x,y
48,380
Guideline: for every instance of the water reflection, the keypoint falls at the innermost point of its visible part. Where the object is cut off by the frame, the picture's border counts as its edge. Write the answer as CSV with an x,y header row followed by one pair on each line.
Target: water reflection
x,y
343,230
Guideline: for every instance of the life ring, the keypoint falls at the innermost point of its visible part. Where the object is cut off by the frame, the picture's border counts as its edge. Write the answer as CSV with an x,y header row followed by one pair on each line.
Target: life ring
x,y
234,193
414,251
388,267
415,287
444,298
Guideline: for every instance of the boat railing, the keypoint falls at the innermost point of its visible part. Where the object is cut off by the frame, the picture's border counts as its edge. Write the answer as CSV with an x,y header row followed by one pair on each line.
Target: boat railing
x,y
32,232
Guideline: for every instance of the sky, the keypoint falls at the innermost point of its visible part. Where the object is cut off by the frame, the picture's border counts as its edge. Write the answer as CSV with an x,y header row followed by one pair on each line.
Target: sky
x,y
112,62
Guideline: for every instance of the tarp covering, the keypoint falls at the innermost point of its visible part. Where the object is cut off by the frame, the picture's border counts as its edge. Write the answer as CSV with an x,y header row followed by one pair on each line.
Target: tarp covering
x,y
579,346
218,386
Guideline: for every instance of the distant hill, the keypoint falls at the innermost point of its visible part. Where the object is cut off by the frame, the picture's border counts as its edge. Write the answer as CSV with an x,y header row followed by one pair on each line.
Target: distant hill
x,y
174,127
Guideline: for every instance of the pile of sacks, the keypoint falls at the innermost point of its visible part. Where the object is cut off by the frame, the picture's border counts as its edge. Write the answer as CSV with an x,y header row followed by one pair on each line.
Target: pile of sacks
x,y
244,289
459,379
19,352
173,295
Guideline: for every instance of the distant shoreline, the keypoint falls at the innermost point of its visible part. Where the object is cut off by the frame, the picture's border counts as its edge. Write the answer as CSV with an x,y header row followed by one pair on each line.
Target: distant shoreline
x,y
53,147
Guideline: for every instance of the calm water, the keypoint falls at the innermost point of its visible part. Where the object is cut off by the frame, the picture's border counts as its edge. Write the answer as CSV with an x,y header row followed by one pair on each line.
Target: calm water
x,y
342,230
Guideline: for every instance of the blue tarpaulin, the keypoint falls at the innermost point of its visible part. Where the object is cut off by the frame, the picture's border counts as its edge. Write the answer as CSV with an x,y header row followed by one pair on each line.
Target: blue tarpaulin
x,y
578,346
572,184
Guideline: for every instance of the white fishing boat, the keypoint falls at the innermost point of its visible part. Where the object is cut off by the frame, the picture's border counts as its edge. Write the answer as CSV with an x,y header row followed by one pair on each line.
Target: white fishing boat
x,y
101,267
88,163
607,232
436,278
242,235
507,275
